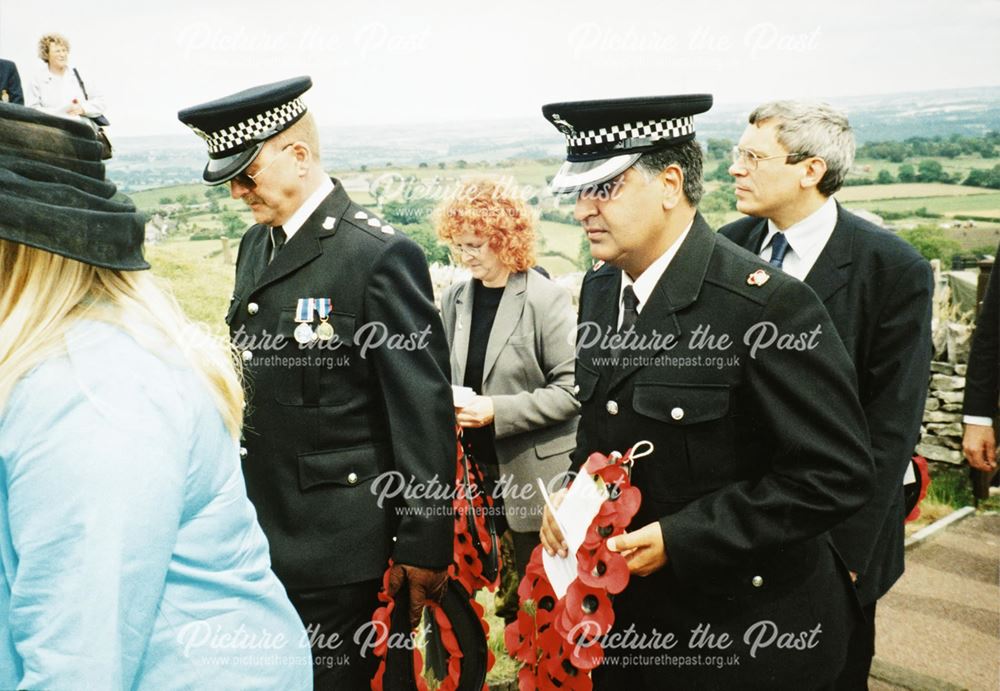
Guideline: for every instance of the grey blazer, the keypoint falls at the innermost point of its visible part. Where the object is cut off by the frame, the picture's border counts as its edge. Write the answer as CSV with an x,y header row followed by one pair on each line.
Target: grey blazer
x,y
529,374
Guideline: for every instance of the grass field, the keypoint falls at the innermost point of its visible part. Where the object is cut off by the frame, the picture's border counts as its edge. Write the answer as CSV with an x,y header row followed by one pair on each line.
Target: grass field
x,y
199,278
907,190
974,204
203,284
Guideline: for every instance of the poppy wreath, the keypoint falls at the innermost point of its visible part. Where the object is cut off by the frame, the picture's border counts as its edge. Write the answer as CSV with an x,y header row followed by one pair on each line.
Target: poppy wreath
x,y
475,541
558,639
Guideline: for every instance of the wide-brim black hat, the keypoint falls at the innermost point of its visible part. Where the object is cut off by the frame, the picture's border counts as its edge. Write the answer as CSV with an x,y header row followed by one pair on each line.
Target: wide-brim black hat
x,y
606,137
54,195
467,627
236,127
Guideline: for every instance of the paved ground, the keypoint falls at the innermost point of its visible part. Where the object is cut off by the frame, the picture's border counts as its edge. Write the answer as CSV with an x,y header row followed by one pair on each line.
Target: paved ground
x,y
939,627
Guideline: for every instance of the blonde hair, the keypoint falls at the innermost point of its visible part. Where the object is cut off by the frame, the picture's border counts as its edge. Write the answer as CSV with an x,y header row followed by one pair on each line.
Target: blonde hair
x,y
43,295
45,43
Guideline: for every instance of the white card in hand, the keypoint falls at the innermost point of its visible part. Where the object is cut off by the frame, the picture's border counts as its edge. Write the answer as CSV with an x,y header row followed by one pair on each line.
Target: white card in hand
x,y
574,516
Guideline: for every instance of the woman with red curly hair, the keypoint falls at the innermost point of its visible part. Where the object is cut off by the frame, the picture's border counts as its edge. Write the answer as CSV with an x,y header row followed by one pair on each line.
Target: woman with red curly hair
x,y
511,335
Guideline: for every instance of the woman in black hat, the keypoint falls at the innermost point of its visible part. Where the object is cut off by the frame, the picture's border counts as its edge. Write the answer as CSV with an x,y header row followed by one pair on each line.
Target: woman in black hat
x,y
130,556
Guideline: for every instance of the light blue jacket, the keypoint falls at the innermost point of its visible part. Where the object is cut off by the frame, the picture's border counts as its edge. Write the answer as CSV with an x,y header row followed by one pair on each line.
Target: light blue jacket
x,y
130,557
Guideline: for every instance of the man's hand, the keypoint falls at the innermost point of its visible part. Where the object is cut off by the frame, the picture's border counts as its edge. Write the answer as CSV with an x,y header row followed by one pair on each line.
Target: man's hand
x,y
980,446
424,584
643,549
552,537
478,413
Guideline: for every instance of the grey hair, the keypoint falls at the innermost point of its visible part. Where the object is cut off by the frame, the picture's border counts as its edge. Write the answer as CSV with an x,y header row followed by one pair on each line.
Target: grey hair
x,y
686,156
813,129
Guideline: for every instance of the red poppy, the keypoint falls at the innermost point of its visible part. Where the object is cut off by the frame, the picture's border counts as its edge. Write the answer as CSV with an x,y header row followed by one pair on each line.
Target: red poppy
x,y
587,609
603,569
519,637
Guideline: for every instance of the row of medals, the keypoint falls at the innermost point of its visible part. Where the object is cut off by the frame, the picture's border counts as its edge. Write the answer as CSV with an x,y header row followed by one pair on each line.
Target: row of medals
x,y
304,315
304,332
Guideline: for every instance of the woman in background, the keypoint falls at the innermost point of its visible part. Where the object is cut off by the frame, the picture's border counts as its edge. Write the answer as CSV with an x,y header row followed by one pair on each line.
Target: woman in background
x,y
130,556
59,88
511,332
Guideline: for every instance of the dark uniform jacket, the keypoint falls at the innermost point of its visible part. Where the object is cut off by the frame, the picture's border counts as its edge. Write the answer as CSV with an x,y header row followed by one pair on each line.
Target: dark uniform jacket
x,y
758,453
981,380
10,83
322,423
878,291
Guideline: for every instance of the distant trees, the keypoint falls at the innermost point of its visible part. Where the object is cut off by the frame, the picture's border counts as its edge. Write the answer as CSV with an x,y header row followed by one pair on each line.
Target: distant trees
x,y
721,173
720,149
932,243
984,177
907,173
885,178
945,147
232,223
932,171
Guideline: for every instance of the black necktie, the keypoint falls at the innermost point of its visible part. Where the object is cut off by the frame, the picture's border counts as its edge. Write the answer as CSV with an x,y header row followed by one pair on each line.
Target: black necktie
x,y
779,247
278,241
630,309
630,315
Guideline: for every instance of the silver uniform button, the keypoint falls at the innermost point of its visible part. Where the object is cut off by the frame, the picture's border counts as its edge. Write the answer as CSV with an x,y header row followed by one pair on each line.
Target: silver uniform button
x,y
243,452
352,478
757,581
253,308
612,407
677,413
247,355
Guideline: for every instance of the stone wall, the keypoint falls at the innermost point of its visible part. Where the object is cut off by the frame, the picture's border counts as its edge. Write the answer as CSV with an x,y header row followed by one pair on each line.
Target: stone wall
x,y
941,433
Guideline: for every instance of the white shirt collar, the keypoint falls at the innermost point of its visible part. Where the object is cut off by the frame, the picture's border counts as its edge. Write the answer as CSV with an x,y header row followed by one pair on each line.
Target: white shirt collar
x,y
806,239
644,285
303,213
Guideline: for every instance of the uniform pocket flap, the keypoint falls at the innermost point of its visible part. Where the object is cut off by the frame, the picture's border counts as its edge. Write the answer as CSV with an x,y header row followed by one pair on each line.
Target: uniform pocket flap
x,y
348,467
681,404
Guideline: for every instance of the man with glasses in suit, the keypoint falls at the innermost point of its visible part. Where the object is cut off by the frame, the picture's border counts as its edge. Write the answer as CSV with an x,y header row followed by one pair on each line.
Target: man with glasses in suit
x,y
878,291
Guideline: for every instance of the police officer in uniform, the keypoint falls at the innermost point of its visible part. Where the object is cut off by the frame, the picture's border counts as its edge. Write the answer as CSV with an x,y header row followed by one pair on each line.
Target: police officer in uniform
x,y
735,374
346,365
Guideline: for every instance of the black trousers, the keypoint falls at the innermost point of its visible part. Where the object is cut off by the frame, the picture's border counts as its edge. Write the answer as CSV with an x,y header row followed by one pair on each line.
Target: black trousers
x,y
860,651
333,617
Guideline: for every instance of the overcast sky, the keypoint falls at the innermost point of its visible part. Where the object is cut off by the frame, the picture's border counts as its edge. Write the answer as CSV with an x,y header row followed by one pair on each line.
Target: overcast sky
x,y
384,62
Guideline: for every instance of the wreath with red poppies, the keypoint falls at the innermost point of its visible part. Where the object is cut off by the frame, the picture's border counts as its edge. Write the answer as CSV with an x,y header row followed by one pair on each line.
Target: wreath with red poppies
x,y
558,639
475,543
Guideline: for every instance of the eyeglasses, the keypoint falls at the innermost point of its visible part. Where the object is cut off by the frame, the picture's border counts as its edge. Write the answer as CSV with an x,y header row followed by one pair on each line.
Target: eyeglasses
x,y
751,160
471,250
250,181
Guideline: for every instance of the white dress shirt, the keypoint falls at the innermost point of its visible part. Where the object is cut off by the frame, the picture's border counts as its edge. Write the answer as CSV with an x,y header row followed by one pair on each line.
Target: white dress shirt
x,y
644,285
806,240
303,213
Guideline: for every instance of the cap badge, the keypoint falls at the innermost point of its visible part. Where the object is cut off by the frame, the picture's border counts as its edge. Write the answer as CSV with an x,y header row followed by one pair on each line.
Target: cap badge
x,y
562,125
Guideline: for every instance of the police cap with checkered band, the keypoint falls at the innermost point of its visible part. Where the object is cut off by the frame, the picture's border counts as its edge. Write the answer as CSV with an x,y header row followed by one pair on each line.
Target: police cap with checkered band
x,y
236,127
604,138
